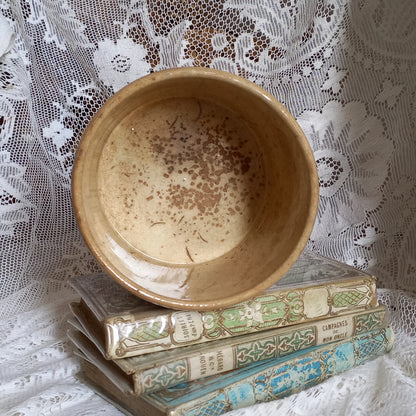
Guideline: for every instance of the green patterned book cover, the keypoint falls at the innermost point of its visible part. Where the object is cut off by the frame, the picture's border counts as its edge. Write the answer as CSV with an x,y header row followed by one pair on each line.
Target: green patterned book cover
x,y
158,370
315,287
260,382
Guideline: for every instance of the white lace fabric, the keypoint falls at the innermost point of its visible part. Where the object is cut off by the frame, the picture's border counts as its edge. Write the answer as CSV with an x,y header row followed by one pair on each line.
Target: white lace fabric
x,y
346,69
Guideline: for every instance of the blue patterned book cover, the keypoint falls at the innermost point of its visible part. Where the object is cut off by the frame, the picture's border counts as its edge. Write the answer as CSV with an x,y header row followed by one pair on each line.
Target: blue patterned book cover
x,y
264,381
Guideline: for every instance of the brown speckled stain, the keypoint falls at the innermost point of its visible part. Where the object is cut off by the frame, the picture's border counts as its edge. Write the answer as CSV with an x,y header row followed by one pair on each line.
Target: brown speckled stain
x,y
187,183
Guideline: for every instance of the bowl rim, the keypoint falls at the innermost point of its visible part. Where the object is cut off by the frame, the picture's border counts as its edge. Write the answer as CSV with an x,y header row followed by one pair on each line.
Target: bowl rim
x,y
77,195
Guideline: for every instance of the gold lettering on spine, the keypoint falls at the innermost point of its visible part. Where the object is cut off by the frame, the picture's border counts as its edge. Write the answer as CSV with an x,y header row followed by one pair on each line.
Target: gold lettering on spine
x,y
334,329
220,360
210,363
188,327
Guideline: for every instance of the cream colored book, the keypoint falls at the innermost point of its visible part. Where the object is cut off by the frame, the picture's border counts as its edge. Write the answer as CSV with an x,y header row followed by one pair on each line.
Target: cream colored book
x,y
155,371
315,287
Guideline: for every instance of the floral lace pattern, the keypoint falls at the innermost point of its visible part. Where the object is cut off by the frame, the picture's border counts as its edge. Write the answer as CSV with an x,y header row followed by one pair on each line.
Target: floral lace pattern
x,y
120,63
345,69
349,165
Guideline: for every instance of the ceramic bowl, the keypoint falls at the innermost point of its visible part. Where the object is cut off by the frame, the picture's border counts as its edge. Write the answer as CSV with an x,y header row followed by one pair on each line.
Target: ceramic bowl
x,y
195,188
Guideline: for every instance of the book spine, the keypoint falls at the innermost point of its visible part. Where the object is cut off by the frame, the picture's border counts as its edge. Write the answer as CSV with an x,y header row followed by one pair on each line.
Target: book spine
x,y
127,336
291,376
280,343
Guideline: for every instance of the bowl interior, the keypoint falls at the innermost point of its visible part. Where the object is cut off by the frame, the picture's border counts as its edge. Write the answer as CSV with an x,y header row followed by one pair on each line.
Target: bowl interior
x,y
194,188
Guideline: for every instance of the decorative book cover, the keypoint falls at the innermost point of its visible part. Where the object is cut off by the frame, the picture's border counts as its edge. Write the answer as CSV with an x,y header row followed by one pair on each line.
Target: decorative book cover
x,y
315,287
260,382
158,370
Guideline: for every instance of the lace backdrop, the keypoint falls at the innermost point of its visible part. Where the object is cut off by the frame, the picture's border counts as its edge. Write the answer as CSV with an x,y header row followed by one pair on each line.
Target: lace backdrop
x,y
345,69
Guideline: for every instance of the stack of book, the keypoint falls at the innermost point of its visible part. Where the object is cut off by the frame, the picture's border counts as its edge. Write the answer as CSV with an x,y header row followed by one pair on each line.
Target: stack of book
x,y
320,319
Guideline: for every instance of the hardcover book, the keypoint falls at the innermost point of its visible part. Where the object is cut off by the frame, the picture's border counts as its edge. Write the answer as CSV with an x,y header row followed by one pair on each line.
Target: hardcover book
x,y
315,287
259,382
158,370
